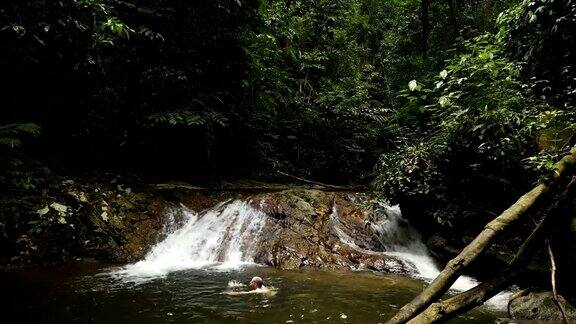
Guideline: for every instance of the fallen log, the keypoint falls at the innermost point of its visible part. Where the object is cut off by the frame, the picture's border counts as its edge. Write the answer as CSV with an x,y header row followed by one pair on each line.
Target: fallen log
x,y
458,304
451,307
471,252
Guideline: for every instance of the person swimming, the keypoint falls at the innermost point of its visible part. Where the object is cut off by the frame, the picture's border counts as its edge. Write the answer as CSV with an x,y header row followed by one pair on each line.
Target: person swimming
x,y
256,283
256,287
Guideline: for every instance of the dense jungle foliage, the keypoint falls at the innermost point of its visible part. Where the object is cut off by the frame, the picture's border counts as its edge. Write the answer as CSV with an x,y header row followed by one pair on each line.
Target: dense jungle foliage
x,y
452,108
158,88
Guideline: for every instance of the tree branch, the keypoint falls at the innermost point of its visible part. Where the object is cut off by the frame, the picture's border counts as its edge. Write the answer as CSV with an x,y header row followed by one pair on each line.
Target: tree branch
x,y
314,182
553,282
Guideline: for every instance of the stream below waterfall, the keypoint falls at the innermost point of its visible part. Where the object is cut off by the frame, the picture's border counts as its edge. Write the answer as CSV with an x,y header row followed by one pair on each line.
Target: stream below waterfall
x,y
185,277
81,294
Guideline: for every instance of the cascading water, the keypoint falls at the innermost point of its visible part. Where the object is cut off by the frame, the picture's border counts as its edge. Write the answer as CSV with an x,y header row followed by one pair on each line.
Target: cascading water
x,y
227,236
401,240
223,237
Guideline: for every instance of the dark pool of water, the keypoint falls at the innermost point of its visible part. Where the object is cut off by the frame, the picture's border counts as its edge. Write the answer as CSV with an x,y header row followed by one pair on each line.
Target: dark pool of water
x,y
82,294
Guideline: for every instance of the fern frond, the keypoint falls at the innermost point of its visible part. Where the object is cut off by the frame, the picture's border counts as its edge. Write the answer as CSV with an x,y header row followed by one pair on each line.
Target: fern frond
x,y
10,142
20,129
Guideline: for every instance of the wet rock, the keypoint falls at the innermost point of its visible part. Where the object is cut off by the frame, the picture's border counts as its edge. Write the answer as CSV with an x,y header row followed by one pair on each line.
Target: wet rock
x,y
306,229
118,223
84,218
121,227
539,306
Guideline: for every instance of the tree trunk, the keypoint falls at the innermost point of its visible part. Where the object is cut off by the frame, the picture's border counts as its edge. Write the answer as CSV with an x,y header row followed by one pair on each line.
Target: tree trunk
x,y
471,252
425,21
465,301
454,13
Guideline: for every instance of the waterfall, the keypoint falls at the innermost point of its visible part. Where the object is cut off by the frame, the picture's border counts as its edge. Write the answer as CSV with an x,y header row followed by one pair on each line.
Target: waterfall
x,y
222,237
227,236
403,241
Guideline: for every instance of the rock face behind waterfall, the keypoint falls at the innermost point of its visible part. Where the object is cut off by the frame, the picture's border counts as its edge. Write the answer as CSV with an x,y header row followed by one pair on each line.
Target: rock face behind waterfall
x,y
314,229
88,219
304,228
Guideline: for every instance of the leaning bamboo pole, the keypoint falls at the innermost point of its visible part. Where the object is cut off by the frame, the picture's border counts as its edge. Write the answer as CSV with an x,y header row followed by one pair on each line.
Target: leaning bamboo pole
x,y
458,304
471,252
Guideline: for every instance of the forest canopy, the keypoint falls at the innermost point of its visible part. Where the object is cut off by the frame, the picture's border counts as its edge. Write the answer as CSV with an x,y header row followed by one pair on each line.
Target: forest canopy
x,y
452,108
317,88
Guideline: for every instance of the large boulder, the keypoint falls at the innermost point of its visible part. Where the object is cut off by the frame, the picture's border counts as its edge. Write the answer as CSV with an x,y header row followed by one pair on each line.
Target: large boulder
x,y
318,229
103,220
540,306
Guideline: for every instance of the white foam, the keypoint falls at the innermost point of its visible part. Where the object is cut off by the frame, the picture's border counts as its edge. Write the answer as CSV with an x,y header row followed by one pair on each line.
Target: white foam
x,y
235,284
222,238
402,241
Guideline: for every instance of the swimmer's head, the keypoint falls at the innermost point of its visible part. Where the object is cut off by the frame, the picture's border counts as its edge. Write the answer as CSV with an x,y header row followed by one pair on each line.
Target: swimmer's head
x,y
256,283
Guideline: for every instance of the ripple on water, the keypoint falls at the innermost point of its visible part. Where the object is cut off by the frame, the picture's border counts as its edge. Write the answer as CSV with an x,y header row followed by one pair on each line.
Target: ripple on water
x,y
195,295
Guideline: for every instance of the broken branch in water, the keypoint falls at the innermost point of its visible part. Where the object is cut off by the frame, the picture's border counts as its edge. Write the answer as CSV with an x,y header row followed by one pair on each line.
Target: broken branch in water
x,y
553,282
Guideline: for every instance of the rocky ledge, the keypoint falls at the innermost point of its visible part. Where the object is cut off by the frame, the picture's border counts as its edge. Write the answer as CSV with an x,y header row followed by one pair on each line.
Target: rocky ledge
x,y
540,306
318,229
76,220
111,222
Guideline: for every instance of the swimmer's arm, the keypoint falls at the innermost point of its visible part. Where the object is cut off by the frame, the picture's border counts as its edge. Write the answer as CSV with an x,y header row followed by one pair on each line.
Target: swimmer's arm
x,y
233,293
256,291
